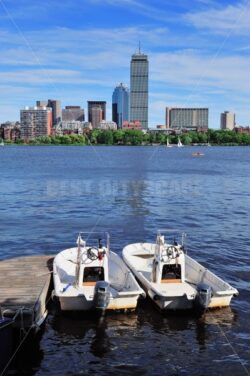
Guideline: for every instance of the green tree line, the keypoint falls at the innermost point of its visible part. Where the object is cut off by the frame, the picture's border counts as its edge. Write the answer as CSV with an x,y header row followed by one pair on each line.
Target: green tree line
x,y
137,137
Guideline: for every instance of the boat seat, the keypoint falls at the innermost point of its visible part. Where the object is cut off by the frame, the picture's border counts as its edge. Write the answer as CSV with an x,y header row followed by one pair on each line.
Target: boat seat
x,y
88,283
176,280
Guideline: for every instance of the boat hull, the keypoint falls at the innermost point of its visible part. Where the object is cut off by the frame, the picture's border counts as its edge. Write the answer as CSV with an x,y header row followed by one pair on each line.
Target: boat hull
x,y
80,303
173,296
123,287
171,303
183,303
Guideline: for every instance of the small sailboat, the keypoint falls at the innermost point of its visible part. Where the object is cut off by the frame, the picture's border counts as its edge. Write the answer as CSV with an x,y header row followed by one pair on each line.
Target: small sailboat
x,y
174,280
168,144
92,277
179,144
2,143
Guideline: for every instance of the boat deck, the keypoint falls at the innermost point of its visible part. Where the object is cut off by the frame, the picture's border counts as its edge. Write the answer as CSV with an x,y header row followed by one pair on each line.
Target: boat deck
x,y
170,288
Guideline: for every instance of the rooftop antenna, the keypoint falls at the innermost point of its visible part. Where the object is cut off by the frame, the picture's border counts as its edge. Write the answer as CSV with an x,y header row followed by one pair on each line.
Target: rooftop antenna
x,y
139,46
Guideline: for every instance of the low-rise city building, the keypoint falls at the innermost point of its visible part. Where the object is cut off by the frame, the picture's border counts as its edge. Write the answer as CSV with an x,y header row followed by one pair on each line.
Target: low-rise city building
x,y
132,124
104,124
68,127
242,130
10,131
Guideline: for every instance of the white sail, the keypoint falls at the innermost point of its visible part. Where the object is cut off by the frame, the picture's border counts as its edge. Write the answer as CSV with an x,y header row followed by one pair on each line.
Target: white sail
x,y
168,144
179,143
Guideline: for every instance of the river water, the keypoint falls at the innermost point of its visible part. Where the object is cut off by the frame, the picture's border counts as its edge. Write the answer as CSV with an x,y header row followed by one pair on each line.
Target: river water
x,y
49,194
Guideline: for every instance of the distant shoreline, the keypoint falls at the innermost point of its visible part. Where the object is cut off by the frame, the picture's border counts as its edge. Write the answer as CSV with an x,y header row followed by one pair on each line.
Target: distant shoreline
x,y
124,145
134,137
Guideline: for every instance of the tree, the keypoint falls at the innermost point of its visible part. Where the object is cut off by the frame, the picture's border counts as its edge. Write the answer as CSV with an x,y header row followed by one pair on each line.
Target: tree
x,y
160,137
55,140
108,138
202,138
194,137
118,136
146,138
152,137
133,137
94,135
65,139
186,139
43,140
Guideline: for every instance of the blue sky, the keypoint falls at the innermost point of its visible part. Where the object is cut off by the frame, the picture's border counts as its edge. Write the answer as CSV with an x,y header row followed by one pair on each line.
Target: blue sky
x,y
78,50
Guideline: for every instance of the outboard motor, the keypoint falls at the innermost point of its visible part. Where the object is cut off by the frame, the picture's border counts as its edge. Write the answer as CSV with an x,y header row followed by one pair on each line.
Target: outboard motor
x,y
203,297
101,295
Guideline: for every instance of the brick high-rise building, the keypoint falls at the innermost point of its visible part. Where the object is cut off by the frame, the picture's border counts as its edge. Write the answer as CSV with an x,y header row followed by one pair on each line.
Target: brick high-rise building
x,y
35,122
55,105
73,113
56,110
96,116
96,104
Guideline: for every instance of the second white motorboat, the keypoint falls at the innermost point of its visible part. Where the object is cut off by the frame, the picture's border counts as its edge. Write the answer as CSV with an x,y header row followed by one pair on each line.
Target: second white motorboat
x,y
90,277
172,279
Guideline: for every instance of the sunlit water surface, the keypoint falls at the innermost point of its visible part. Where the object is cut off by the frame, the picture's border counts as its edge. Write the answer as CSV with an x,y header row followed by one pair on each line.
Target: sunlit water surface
x,y
48,194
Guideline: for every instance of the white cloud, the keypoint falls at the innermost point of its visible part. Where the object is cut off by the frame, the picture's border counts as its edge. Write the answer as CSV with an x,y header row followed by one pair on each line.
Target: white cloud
x,y
48,76
196,71
153,11
233,19
77,65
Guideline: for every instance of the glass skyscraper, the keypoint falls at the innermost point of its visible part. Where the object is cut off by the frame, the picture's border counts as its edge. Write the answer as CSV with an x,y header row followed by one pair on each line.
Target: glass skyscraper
x,y
120,105
139,89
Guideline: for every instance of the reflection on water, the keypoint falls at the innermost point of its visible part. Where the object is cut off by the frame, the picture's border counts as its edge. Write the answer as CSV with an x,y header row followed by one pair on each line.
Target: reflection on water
x,y
49,194
143,342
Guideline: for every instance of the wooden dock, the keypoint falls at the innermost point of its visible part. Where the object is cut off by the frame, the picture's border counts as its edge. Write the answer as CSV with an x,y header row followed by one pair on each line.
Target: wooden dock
x,y
25,288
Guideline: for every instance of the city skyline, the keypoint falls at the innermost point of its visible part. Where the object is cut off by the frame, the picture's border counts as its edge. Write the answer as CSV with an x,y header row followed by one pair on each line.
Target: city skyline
x,y
198,57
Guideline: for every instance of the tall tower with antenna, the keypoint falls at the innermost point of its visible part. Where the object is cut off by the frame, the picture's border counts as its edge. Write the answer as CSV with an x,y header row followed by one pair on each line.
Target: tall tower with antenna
x,y
139,88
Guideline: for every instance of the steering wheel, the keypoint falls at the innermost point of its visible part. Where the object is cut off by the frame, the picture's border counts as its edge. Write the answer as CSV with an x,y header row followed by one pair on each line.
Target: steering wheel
x,y
92,253
172,252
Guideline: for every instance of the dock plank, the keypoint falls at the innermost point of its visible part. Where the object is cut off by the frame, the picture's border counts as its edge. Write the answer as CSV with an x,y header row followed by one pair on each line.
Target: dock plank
x,y
24,283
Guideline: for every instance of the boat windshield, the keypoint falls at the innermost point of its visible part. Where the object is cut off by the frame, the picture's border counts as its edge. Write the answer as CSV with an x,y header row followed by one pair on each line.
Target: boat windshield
x,y
93,274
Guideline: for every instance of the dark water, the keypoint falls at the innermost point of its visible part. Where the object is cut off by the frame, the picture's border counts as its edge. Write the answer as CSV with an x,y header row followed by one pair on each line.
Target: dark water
x,y
49,194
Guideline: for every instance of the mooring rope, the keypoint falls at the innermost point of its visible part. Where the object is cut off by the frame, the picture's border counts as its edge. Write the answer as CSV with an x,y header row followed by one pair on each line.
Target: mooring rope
x,y
17,349
231,346
20,311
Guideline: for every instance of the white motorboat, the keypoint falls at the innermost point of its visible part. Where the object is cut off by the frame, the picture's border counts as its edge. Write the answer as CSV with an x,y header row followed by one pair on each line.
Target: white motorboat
x,y
174,280
90,277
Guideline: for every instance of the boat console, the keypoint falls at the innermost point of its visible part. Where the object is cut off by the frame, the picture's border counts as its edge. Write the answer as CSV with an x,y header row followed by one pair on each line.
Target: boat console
x,y
168,262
